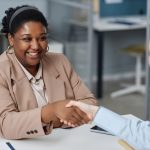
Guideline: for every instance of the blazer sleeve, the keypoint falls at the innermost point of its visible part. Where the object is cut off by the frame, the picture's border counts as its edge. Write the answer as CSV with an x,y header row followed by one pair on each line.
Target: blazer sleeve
x,y
15,124
81,92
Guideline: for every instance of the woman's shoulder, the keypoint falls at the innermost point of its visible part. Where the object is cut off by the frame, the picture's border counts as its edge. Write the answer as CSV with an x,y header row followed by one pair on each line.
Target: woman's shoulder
x,y
4,61
56,57
57,60
4,58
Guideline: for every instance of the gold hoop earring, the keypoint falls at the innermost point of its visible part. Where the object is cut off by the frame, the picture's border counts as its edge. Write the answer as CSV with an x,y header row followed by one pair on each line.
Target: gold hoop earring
x,y
9,49
47,48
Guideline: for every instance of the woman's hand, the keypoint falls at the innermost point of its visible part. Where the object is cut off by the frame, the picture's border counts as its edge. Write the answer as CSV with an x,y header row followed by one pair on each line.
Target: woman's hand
x,y
57,123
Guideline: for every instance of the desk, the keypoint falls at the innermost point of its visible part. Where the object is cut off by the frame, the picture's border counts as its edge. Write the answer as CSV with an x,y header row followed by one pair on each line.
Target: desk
x,y
79,138
108,23
101,26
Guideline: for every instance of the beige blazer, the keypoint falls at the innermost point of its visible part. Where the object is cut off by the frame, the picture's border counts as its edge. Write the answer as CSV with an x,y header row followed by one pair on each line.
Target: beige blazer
x,y
20,116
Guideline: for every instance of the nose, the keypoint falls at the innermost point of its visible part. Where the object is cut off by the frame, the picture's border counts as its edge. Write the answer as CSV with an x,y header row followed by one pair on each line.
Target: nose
x,y
35,44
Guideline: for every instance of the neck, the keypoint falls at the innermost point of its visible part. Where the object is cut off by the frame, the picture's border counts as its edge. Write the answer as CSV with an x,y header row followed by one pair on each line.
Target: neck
x,y
33,69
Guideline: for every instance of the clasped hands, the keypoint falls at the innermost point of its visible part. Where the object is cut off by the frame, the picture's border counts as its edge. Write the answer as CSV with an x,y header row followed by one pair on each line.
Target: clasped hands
x,y
70,115
64,112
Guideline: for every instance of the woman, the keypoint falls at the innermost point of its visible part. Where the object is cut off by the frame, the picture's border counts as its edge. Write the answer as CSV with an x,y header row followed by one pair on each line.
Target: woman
x,y
35,85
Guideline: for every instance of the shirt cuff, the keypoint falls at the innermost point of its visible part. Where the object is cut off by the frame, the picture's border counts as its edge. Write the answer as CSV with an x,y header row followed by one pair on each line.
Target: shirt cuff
x,y
110,121
48,128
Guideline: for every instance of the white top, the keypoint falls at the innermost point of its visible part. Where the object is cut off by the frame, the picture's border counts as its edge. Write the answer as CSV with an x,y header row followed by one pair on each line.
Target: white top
x,y
37,85
134,131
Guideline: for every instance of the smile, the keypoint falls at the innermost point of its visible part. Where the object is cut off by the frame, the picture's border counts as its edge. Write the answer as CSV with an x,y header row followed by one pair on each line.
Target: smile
x,y
33,54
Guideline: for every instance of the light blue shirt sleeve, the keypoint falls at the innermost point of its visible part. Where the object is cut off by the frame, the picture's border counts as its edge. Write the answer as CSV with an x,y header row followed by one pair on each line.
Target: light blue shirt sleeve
x,y
135,132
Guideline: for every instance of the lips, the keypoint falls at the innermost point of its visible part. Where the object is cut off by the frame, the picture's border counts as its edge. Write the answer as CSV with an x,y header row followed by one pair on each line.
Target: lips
x,y
33,54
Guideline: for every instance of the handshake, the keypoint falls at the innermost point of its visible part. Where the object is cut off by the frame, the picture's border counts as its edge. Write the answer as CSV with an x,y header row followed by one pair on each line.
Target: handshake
x,y
71,113
85,111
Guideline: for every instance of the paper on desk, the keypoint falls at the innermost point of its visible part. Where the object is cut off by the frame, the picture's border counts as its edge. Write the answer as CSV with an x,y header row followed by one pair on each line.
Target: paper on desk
x,y
3,146
113,1
125,145
122,142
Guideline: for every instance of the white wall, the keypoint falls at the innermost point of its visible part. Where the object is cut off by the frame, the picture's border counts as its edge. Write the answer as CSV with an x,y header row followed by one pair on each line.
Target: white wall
x,y
5,4
115,60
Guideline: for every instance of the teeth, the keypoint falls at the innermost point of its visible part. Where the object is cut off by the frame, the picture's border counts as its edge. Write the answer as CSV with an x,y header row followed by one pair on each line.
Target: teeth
x,y
33,53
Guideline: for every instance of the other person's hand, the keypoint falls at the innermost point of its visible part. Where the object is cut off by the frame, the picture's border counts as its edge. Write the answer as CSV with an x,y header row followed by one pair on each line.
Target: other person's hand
x,y
90,110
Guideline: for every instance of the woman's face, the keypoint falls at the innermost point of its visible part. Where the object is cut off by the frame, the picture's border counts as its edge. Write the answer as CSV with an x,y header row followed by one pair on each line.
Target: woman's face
x,y
29,43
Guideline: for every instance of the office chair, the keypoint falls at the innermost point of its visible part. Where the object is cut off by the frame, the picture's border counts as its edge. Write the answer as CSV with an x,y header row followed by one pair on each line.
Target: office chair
x,y
136,51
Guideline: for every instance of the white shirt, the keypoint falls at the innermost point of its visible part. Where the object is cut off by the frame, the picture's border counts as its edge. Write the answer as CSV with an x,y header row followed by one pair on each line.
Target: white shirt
x,y
37,85
135,132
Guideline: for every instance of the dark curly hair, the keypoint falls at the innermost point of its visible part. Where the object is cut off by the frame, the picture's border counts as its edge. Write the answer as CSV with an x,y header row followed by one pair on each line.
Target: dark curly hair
x,y
21,18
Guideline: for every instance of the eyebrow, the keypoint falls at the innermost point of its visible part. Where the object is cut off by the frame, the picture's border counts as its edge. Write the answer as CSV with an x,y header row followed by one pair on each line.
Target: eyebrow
x,y
30,34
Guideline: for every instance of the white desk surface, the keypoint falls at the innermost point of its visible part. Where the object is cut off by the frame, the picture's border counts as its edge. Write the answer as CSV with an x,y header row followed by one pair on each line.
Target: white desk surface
x,y
105,24
79,138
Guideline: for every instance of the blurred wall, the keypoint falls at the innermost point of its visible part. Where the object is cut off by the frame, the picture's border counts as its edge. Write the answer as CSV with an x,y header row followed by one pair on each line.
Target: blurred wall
x,y
4,4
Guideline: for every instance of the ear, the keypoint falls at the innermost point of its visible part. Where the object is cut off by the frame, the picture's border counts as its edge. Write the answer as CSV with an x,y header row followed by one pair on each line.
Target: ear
x,y
10,39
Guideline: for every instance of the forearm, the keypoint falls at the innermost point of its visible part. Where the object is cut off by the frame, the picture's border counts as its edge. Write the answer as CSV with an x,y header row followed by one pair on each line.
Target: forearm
x,y
18,125
135,132
47,113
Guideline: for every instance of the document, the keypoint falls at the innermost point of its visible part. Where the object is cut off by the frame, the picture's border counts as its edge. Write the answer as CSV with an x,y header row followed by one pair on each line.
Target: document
x,y
125,145
113,1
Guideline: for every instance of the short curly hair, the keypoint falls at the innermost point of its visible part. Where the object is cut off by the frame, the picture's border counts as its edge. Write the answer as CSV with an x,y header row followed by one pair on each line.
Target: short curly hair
x,y
21,18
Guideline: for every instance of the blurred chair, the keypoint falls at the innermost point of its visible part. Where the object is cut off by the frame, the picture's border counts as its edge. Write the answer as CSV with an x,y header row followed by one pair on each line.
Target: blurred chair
x,y
136,51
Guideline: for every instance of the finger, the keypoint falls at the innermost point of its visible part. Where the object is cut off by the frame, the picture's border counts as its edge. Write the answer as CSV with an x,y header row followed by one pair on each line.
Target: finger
x,y
67,123
77,113
73,120
77,117
71,103
61,120
71,125
85,118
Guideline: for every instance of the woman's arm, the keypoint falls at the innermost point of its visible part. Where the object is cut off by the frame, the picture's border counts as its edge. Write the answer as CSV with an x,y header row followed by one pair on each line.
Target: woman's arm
x,y
81,92
16,124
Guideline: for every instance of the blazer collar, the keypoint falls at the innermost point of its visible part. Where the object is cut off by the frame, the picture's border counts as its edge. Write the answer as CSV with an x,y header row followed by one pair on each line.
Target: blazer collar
x,y
51,79
22,86
17,73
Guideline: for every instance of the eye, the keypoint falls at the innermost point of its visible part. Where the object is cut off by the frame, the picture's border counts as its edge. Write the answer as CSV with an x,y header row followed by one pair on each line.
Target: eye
x,y
27,39
43,38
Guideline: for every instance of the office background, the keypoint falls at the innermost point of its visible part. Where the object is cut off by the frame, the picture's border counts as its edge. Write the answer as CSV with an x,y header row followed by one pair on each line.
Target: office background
x,y
67,26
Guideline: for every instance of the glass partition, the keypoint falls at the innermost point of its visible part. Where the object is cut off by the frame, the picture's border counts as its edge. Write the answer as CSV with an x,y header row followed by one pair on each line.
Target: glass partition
x,y
148,62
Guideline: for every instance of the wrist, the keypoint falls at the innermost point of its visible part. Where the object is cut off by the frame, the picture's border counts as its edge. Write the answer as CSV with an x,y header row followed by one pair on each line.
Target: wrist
x,y
47,113
94,111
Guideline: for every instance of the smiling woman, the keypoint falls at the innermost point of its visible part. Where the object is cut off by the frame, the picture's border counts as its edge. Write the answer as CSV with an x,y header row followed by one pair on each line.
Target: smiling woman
x,y
30,43
36,85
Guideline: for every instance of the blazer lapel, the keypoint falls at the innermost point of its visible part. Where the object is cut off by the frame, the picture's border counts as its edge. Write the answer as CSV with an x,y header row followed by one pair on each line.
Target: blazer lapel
x,y
22,89
53,83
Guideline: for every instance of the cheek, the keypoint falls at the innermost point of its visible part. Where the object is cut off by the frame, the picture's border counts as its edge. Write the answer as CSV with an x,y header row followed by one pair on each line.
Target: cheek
x,y
44,46
21,47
